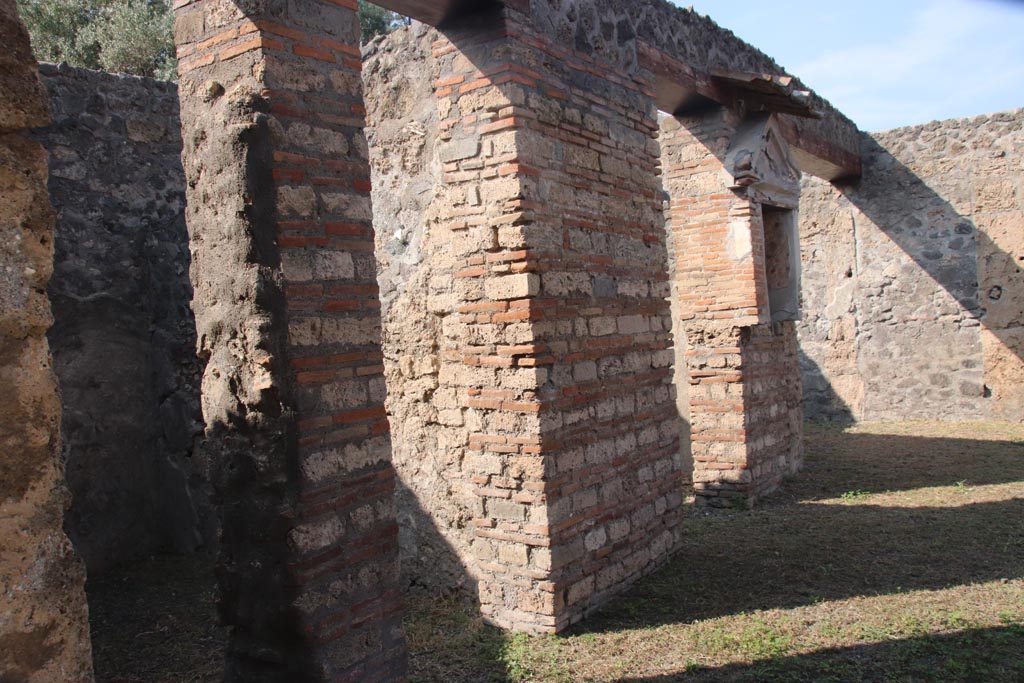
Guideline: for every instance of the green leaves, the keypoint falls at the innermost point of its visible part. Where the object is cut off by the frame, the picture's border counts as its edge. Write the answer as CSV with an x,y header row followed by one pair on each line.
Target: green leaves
x,y
55,25
135,37
375,21
126,36
131,36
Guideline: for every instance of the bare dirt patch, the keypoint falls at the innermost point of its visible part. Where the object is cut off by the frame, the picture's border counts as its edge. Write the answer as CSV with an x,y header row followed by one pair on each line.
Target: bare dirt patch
x,y
154,621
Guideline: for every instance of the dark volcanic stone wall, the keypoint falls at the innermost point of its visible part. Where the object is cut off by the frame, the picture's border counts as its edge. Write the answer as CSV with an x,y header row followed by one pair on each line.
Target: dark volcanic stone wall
x,y
123,339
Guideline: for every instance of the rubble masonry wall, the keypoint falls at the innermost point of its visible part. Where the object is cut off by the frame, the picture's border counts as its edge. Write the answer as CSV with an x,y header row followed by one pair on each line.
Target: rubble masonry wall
x,y
416,273
593,231
288,319
526,328
913,288
123,339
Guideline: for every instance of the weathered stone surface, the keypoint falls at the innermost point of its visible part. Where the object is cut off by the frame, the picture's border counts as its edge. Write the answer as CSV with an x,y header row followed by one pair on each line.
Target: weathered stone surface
x,y
526,324
530,434
609,446
124,337
44,632
417,258
527,336
24,104
913,281
288,322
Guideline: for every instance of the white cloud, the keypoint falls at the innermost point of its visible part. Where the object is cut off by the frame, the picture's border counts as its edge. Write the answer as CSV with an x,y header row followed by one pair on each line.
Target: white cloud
x,y
953,59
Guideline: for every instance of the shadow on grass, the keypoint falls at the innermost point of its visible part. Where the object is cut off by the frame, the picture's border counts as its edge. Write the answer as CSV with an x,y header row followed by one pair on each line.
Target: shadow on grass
x,y
789,555
840,462
992,655
813,553
785,556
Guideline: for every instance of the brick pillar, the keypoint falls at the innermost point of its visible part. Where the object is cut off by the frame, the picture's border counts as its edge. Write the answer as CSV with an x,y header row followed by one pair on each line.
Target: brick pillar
x,y
744,383
288,319
44,629
561,351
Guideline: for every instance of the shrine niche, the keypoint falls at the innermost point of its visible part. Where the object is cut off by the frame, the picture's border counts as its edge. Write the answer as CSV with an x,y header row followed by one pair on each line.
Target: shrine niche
x,y
734,190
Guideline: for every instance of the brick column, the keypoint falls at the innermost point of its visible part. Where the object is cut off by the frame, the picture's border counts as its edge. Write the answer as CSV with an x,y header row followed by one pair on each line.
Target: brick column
x,y
44,629
561,350
744,382
288,319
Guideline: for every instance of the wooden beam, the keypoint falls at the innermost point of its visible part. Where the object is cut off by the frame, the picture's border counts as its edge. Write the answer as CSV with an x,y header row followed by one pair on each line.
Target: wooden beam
x,y
435,12
421,10
816,154
817,150
766,92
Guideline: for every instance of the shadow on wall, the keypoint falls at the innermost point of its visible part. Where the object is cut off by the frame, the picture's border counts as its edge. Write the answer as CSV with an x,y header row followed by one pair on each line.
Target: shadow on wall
x,y
155,620
124,337
460,446
426,553
912,341
820,399
990,654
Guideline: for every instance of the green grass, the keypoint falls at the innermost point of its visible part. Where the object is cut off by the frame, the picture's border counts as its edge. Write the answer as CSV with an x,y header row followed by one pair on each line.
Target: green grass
x,y
897,554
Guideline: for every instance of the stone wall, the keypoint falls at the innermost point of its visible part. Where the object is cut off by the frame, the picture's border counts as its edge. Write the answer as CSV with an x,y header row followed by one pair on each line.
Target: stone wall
x,y
416,277
44,631
526,329
123,340
592,230
772,398
913,287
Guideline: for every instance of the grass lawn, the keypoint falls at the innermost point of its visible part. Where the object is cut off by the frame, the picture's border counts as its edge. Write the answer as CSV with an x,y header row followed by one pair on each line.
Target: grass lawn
x,y
897,554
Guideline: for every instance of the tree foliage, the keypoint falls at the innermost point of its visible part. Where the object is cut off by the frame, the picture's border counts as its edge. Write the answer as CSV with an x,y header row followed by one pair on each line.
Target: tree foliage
x,y
375,21
55,25
131,36
136,37
127,36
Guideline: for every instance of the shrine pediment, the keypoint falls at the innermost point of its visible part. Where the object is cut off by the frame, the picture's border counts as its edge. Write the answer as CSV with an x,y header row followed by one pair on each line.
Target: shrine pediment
x,y
761,164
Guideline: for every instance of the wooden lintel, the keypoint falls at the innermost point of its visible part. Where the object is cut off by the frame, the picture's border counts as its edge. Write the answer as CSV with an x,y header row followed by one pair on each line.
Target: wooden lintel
x,y
766,92
435,12
679,88
817,150
817,155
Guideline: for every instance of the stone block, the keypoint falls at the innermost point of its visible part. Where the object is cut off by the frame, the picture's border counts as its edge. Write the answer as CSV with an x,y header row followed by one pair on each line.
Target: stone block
x,y
512,286
457,150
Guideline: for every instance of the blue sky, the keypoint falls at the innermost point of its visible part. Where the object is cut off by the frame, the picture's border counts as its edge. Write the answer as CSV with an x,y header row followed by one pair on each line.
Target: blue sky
x,y
890,63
